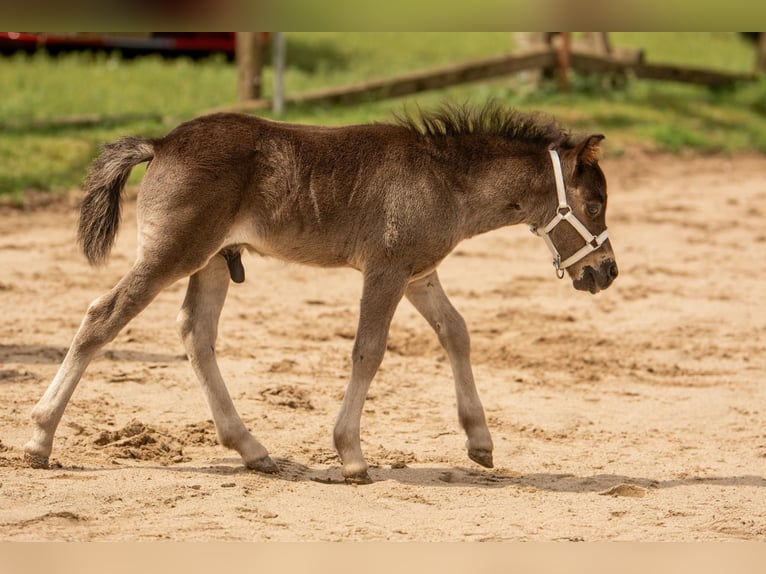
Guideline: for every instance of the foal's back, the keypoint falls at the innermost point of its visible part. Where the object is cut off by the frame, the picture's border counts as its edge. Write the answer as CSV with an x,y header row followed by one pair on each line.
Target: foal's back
x,y
329,196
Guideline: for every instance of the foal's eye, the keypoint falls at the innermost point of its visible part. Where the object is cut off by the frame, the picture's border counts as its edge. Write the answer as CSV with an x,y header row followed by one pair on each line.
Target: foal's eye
x,y
593,209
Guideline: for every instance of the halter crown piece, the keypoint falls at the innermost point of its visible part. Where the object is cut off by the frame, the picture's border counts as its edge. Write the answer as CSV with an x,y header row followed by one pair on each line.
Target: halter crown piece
x,y
565,213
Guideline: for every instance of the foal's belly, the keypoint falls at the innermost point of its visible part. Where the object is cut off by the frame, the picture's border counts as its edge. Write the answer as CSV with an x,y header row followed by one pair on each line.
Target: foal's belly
x,y
355,250
296,247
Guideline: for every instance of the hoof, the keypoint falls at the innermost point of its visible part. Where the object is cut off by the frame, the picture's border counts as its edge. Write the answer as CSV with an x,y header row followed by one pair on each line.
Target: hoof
x,y
265,465
356,473
481,456
35,460
358,479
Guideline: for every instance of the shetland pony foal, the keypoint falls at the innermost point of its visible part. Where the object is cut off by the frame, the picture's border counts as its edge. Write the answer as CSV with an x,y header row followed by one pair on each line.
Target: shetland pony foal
x,y
391,200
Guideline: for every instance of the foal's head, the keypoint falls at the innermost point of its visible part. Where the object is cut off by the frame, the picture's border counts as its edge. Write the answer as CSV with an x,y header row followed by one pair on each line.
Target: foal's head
x,y
570,215
576,232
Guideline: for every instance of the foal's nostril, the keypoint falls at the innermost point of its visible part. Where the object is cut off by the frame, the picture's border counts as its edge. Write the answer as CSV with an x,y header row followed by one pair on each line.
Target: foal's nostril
x,y
613,272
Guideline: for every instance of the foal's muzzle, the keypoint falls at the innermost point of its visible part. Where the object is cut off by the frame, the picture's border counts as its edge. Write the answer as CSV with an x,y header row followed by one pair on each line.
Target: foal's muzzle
x,y
595,279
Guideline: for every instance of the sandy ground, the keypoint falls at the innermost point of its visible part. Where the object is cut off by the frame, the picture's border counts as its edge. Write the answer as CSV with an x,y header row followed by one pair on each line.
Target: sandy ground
x,y
635,414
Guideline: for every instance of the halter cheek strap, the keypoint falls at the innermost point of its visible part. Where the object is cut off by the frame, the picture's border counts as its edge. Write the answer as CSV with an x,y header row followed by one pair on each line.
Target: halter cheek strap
x,y
565,213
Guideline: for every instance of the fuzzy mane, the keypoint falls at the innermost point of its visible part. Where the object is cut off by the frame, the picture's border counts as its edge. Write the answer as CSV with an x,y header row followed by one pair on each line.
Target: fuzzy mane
x,y
492,119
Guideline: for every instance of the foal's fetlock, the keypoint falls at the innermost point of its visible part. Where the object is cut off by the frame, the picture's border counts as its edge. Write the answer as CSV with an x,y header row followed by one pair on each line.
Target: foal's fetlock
x,y
37,451
354,466
254,454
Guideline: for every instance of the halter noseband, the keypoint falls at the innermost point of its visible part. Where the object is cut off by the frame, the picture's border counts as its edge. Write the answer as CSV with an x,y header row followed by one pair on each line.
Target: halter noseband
x,y
565,213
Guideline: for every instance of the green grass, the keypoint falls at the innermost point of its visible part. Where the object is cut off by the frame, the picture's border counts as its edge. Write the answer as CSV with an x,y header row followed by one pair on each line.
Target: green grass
x,y
724,51
150,95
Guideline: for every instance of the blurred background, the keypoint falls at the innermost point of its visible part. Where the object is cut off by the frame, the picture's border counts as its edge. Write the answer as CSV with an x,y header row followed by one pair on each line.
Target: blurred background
x,y
65,94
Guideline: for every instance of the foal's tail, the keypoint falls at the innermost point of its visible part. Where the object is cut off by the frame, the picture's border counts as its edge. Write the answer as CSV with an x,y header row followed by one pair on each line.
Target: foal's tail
x,y
100,209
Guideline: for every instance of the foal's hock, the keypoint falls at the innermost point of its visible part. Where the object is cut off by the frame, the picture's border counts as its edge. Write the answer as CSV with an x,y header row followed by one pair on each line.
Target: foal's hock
x,y
391,200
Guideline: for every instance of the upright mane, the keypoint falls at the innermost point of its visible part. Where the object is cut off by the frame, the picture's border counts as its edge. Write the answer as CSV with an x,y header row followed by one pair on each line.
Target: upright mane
x,y
492,119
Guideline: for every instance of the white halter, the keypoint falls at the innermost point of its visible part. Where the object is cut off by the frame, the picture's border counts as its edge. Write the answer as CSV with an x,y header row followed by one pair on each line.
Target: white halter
x,y
565,213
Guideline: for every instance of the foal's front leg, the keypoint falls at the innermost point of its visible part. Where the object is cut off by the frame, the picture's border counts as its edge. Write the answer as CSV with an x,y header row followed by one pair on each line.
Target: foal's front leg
x,y
381,294
198,325
429,299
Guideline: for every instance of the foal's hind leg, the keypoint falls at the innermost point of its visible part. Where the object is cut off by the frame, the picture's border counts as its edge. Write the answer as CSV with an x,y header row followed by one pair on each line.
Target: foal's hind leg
x,y
198,325
102,322
429,299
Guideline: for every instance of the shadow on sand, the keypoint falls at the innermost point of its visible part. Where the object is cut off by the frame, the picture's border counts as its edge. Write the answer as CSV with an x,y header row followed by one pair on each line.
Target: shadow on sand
x,y
43,355
291,471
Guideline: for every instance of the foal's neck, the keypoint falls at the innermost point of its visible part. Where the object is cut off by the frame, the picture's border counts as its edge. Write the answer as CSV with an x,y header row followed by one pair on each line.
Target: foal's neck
x,y
509,191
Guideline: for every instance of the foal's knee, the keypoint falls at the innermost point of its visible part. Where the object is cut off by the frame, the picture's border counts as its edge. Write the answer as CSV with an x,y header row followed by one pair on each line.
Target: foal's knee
x,y
453,333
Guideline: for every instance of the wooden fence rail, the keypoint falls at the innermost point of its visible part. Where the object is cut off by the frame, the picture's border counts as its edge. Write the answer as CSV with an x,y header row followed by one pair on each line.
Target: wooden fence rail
x,y
544,57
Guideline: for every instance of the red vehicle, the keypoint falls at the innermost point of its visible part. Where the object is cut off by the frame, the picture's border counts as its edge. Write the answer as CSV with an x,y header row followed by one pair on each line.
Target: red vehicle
x,y
193,44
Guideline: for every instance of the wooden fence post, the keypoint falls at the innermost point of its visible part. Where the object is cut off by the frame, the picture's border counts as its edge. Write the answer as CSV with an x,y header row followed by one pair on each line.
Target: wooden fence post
x,y
760,58
249,64
562,59
598,42
278,49
528,41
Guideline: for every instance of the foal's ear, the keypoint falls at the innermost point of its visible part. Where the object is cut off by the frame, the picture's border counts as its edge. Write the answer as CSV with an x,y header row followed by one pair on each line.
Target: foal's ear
x,y
589,151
